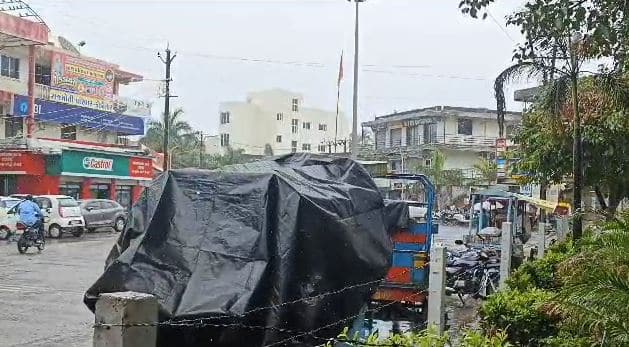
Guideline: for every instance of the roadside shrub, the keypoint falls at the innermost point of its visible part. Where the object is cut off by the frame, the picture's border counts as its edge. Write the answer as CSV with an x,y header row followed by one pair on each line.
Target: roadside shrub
x,y
520,314
426,338
542,273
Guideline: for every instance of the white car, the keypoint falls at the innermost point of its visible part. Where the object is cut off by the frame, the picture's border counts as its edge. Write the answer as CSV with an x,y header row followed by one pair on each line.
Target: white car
x,y
7,221
61,214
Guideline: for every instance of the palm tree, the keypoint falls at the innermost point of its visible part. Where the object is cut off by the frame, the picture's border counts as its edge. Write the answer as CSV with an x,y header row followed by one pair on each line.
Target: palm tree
x,y
488,170
184,142
181,133
595,296
567,73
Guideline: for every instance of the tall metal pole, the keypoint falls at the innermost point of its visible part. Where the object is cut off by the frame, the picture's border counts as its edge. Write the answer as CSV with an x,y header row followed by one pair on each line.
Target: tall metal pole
x,y
166,143
201,150
355,98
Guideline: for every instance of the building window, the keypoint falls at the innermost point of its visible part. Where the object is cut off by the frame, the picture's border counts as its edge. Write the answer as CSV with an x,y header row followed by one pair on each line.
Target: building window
x,y
224,140
428,162
396,165
42,74
13,127
295,105
323,127
293,146
412,136
430,133
465,126
68,132
122,139
322,148
295,126
278,138
305,147
224,117
306,125
280,116
395,137
9,67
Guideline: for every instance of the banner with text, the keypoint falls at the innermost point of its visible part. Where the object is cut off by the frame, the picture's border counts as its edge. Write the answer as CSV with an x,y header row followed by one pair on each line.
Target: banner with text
x,y
85,117
79,76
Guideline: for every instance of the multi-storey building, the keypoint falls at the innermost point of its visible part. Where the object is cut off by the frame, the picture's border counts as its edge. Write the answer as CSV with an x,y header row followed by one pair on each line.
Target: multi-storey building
x,y
464,135
277,119
64,129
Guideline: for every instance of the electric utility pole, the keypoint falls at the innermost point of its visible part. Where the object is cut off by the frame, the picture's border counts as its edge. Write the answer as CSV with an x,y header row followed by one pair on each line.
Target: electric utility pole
x,y
168,61
354,148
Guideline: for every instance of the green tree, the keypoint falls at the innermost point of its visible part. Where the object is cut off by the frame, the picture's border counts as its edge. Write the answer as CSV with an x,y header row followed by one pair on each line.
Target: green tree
x,y
595,296
545,141
230,157
488,170
184,142
443,179
559,35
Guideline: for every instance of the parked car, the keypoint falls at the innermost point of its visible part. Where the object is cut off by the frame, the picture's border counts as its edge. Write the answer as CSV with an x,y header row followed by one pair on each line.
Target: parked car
x,y
7,221
100,213
63,214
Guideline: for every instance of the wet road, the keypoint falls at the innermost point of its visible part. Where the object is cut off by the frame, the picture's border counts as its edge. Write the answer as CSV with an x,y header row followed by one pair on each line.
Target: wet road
x,y
41,294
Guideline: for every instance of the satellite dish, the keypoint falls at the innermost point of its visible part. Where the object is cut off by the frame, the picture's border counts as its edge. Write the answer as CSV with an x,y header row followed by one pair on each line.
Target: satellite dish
x,y
67,45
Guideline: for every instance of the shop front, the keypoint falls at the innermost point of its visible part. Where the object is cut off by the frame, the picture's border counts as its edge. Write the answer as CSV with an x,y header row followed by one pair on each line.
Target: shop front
x,y
100,175
25,172
80,174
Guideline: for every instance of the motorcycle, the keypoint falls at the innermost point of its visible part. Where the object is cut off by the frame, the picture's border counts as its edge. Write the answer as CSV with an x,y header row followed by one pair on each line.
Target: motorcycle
x,y
29,238
473,272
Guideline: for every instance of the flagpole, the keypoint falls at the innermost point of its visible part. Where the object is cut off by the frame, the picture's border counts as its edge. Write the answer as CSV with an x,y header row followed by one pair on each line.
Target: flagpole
x,y
336,127
338,98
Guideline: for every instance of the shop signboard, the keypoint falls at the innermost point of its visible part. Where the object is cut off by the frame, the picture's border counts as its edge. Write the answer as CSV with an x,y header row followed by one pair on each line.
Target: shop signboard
x,y
105,165
82,77
132,107
91,118
13,162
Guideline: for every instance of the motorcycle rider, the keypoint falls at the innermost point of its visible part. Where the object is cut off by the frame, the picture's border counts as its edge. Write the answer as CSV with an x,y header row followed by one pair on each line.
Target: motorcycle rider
x,y
31,216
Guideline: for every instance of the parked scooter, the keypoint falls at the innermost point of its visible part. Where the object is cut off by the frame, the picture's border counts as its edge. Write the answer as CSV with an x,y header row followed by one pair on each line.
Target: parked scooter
x,y
473,272
29,238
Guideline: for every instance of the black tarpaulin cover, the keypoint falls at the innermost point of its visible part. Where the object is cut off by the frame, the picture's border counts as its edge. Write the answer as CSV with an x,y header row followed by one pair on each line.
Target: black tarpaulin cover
x,y
240,245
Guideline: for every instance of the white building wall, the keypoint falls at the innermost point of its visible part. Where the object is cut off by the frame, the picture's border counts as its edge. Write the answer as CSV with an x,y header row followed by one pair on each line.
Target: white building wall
x,y
254,124
16,86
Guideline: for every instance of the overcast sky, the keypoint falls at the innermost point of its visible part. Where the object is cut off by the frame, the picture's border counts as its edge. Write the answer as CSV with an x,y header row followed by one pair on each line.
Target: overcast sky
x,y
414,53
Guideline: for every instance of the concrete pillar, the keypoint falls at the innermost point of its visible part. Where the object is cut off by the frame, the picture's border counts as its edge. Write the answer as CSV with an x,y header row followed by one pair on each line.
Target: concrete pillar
x,y
506,250
119,319
541,248
437,288
562,229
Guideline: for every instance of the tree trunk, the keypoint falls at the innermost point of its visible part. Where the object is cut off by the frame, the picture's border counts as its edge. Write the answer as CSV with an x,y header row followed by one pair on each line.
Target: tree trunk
x,y
600,197
577,155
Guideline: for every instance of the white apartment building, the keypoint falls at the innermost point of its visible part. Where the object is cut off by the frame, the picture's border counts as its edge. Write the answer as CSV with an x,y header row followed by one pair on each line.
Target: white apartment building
x,y
464,135
279,119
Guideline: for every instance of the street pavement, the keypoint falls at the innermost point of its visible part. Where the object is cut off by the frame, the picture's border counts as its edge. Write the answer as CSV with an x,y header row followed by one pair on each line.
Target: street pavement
x,y
41,294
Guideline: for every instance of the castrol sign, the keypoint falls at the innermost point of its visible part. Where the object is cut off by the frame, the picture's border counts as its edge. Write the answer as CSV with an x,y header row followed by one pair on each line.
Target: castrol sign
x,y
99,164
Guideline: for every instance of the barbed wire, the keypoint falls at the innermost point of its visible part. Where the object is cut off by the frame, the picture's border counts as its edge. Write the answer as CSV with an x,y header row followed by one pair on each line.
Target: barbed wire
x,y
343,320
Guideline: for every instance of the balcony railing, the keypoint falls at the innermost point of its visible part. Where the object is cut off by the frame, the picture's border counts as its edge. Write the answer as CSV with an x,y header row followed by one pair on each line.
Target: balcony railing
x,y
454,140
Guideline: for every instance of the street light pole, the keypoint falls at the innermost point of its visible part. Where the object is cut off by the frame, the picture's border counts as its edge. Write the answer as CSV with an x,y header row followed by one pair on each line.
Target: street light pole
x,y
355,97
